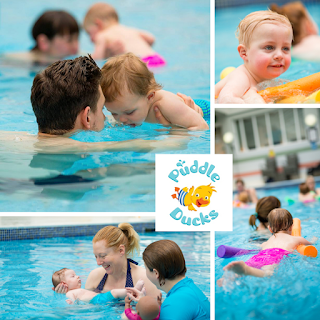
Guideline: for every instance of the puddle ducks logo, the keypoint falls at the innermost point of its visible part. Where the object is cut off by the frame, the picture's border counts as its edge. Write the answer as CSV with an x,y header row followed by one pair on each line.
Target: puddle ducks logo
x,y
189,191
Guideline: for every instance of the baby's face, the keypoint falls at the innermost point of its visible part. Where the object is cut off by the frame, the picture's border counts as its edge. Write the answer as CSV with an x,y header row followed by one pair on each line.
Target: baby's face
x,y
130,109
72,280
269,54
92,30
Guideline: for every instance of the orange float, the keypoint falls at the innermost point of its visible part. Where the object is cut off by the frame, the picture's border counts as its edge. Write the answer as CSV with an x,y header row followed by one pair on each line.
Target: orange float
x,y
300,88
310,251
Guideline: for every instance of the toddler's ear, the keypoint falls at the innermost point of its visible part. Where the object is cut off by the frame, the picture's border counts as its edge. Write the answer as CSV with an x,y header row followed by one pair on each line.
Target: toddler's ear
x,y
242,52
150,96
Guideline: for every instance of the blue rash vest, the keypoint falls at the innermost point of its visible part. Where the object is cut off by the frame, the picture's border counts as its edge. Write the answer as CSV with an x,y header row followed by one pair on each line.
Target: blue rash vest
x,y
185,301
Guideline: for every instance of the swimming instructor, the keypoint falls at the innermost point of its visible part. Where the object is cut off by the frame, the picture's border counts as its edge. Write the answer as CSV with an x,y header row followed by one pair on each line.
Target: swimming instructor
x,y
166,268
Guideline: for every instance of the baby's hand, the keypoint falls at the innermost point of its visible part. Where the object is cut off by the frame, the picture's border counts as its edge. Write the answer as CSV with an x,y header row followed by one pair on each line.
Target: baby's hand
x,y
127,302
159,299
314,239
69,301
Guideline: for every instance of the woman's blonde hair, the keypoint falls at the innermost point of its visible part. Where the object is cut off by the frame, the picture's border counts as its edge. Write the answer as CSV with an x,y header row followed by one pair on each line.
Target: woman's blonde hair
x,y
115,236
126,71
251,21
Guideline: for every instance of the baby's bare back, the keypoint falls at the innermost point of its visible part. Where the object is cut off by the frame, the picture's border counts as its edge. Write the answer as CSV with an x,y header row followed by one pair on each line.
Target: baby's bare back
x,y
283,241
82,294
131,39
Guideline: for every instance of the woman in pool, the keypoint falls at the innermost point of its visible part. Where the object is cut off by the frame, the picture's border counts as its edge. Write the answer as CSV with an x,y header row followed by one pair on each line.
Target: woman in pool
x,y
166,269
111,247
306,38
263,208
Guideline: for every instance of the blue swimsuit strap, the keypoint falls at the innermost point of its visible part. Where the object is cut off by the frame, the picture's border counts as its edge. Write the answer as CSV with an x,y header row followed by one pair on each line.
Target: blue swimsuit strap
x,y
129,282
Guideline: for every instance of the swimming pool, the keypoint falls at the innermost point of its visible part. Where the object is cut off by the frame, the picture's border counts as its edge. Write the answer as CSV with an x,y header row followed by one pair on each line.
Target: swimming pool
x,y
115,181
26,268
226,54
293,291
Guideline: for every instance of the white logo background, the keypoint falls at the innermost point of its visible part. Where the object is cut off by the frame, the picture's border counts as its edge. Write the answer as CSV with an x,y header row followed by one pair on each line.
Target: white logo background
x,y
220,201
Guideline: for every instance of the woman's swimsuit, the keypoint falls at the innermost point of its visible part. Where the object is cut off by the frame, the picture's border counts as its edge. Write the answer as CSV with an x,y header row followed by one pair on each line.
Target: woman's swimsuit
x,y
267,257
129,282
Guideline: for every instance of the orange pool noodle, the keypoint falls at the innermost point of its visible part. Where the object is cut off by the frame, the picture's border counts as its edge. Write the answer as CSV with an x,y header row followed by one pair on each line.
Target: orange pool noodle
x,y
303,86
309,251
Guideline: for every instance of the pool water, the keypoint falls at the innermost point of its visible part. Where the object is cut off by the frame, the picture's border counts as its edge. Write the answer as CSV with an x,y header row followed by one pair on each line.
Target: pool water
x,y
292,292
26,269
129,182
226,54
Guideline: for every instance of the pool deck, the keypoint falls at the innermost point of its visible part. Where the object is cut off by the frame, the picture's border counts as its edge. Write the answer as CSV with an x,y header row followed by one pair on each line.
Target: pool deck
x,y
38,227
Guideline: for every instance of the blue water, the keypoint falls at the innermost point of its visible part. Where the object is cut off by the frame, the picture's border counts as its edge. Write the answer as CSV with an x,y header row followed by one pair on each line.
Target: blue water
x,y
226,54
293,291
128,184
26,268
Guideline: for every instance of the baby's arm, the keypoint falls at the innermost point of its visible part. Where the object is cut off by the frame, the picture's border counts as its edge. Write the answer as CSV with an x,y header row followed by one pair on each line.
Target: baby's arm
x,y
301,240
237,89
178,113
147,36
105,48
119,293
72,297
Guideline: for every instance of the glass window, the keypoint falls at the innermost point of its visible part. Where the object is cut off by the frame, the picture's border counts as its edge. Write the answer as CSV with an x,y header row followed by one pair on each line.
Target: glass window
x,y
275,128
239,135
290,125
248,128
262,129
302,125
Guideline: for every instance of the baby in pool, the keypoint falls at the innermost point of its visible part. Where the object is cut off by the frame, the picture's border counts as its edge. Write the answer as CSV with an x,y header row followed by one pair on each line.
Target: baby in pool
x,y
69,277
280,244
265,39
132,93
102,24
147,308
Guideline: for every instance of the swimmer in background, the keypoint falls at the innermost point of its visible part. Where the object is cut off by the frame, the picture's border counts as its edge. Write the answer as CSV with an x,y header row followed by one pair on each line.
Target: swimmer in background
x,y
312,185
102,24
241,188
69,278
280,244
265,39
243,200
147,308
306,38
56,36
305,194
263,208
132,93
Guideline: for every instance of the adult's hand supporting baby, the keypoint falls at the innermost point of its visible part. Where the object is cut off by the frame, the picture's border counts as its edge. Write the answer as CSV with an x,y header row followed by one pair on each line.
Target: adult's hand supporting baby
x,y
61,288
190,103
187,100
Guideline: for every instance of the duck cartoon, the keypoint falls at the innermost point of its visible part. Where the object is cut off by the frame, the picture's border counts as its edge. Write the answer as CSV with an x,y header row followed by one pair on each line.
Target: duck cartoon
x,y
200,196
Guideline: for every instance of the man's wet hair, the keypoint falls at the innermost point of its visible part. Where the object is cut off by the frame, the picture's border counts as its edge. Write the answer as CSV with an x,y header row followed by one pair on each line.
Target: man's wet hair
x,y
61,91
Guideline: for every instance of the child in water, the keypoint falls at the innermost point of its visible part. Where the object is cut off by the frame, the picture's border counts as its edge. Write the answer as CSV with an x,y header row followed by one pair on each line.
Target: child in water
x,y
102,24
305,194
263,208
69,277
132,92
280,244
147,309
265,39
56,36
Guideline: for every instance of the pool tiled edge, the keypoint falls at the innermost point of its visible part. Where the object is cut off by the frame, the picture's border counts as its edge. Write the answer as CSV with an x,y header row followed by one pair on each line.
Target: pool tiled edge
x,y
24,233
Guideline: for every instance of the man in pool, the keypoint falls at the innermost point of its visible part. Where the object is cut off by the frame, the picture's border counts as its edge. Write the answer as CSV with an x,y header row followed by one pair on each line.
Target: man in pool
x,y
66,98
265,39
